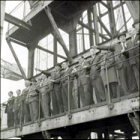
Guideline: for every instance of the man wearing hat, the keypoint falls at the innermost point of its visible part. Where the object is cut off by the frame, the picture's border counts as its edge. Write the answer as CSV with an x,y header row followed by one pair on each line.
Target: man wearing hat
x,y
10,109
84,82
95,77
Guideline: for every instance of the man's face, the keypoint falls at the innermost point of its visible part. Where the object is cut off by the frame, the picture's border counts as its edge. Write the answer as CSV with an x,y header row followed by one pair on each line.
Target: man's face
x,y
122,38
10,94
18,92
57,68
81,60
27,83
92,51
136,26
64,65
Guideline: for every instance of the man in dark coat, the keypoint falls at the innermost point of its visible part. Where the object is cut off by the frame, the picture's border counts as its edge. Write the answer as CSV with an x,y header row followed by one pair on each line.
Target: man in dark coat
x,y
25,112
109,74
84,82
33,100
57,101
46,89
17,108
10,109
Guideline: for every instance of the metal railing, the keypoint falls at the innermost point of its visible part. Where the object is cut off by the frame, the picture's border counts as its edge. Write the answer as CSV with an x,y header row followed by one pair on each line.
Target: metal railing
x,y
73,90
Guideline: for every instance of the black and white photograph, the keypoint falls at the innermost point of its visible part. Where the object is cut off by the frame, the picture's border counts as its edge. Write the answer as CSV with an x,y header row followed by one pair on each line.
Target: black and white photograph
x,y
70,69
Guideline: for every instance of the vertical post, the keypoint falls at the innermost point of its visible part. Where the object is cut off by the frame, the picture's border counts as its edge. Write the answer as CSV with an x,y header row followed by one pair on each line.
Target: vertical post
x,y
69,101
90,25
3,3
112,18
123,16
72,42
96,24
55,51
31,62
83,38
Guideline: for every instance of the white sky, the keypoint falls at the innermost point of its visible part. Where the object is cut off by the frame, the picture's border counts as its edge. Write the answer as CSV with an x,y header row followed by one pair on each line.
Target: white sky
x,y
7,85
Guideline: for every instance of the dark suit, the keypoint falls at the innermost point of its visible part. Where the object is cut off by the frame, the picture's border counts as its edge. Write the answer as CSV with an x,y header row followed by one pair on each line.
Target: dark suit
x,y
25,107
111,73
33,100
10,111
57,101
84,84
17,110
134,57
95,77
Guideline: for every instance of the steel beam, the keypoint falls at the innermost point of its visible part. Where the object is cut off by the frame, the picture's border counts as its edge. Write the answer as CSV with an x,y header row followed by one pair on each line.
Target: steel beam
x,y
105,28
105,5
20,23
16,58
48,51
96,24
55,51
57,33
86,26
90,25
30,62
112,18
18,42
3,3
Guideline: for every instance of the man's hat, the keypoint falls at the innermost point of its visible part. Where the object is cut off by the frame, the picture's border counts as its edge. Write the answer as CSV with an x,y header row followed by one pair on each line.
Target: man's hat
x,y
122,34
135,22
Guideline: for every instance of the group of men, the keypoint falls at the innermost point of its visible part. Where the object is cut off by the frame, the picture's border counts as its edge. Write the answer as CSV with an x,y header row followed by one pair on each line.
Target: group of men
x,y
115,70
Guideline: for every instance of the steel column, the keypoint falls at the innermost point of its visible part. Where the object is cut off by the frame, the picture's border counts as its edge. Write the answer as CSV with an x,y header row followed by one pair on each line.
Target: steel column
x,y
31,62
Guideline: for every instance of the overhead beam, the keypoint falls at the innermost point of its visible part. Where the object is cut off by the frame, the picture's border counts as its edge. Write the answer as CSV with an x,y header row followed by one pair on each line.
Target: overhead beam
x,y
57,33
55,51
86,26
20,23
105,28
48,51
18,42
16,58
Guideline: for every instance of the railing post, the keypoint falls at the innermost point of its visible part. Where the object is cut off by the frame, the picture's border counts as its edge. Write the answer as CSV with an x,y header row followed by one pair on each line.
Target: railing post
x,y
69,101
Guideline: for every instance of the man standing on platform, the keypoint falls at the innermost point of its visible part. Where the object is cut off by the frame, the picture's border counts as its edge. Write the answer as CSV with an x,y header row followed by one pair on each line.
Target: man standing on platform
x,y
10,109
17,107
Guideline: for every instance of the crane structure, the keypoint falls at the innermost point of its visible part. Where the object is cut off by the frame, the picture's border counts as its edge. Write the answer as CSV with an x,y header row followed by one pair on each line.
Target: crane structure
x,y
10,71
48,17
